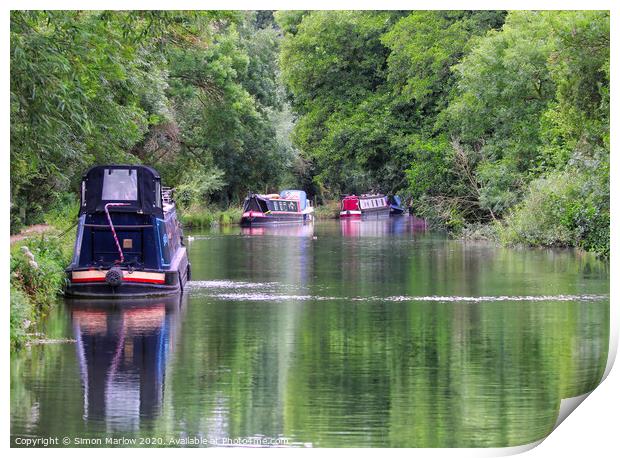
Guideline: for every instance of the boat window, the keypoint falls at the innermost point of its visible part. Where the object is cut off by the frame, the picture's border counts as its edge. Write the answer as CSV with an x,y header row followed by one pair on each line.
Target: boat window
x,y
120,184
83,194
157,194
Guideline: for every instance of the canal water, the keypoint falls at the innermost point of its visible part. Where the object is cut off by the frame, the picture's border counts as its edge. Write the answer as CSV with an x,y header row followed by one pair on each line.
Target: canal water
x,y
372,333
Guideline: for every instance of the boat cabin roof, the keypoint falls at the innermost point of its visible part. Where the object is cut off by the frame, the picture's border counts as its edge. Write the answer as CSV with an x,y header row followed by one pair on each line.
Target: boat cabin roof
x,y
137,186
364,196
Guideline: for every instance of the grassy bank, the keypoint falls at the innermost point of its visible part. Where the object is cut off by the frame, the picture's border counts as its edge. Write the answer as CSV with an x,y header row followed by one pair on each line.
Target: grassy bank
x,y
557,210
205,217
329,210
37,276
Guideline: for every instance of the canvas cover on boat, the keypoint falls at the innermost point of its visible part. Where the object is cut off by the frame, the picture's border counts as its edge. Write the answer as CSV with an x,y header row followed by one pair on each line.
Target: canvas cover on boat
x,y
136,185
350,203
396,201
297,195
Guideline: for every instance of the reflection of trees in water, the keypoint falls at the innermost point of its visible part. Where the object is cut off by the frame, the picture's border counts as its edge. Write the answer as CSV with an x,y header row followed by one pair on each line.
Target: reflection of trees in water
x,y
397,374
340,372
440,375
426,374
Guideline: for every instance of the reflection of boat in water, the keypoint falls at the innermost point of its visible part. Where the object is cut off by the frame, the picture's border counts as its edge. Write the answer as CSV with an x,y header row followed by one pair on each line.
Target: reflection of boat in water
x,y
129,241
122,349
289,206
294,230
379,227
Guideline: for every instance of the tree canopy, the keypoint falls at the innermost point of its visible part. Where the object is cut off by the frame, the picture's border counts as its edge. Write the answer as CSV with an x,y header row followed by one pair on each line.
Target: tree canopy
x,y
471,115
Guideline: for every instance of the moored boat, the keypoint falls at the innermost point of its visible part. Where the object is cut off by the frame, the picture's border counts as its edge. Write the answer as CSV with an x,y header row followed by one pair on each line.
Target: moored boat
x,y
365,205
129,241
290,206
396,206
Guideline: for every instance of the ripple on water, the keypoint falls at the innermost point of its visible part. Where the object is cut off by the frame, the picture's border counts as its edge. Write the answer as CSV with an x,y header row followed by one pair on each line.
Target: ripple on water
x,y
231,290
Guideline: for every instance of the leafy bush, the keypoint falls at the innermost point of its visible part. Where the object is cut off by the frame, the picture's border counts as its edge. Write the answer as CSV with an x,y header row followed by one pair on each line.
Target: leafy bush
x,y
561,209
204,217
21,313
37,277
329,210
197,185
42,279
63,215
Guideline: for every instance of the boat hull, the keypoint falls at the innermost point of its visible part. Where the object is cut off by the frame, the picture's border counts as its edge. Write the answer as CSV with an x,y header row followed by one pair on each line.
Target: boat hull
x,y
364,214
351,214
92,283
265,220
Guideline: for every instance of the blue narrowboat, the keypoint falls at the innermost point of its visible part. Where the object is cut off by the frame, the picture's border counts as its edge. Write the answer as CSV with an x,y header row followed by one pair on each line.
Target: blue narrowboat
x,y
290,206
129,241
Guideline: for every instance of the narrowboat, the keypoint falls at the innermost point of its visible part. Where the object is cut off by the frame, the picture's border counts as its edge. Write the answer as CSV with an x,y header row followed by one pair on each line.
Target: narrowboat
x,y
366,205
396,206
290,206
129,241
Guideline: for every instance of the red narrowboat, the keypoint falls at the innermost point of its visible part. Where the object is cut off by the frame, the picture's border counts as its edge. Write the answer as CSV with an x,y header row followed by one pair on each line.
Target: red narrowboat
x,y
364,205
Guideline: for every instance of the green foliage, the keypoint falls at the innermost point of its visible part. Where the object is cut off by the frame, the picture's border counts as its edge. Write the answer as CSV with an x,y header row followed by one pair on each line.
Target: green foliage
x,y
227,99
334,64
187,92
289,21
200,217
43,279
460,112
197,185
77,79
561,209
21,314
521,105
504,86
425,45
63,214
329,210
368,87
36,283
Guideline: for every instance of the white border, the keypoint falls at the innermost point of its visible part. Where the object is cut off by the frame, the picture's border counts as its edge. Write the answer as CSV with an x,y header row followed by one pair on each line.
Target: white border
x,y
592,428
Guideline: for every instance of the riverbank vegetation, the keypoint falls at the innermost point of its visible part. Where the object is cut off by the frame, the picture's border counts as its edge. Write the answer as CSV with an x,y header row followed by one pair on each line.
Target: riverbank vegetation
x,y
204,218
37,264
488,122
330,209
479,118
194,94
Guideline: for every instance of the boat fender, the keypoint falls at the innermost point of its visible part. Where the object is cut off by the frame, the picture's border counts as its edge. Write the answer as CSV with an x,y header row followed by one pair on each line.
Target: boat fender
x,y
114,277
